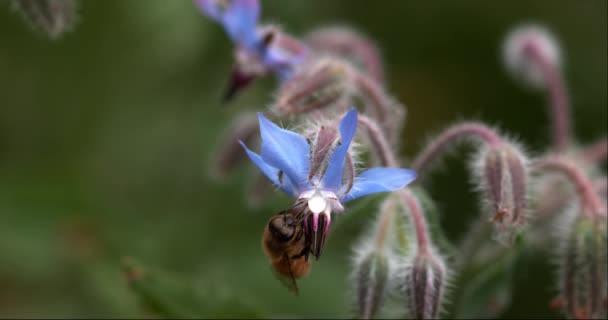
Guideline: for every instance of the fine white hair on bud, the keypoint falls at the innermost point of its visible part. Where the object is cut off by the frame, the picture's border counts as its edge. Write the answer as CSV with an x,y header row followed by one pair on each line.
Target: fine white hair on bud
x,y
351,45
528,51
375,261
582,260
54,17
502,173
317,84
423,280
371,278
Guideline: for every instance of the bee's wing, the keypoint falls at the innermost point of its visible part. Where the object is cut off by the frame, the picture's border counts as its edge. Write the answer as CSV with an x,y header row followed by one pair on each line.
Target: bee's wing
x,y
287,281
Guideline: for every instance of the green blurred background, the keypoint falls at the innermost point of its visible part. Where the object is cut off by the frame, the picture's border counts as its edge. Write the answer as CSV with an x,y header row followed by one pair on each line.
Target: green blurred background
x,y
106,137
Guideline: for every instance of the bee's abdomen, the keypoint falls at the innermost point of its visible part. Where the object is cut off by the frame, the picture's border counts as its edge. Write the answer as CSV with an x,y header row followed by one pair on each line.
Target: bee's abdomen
x,y
297,268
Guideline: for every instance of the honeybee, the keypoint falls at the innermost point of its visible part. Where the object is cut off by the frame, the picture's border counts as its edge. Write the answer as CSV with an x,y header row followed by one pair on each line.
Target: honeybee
x,y
287,246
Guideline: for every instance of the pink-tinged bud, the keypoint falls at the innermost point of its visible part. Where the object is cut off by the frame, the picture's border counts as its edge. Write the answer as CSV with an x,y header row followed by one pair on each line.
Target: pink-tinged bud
x,y
54,17
316,85
527,51
424,285
374,259
229,153
371,274
323,138
502,171
583,261
322,143
551,197
351,45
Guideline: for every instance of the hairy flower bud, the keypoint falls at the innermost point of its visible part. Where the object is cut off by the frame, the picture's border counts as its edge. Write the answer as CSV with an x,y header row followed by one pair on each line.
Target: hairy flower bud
x,y
318,84
371,273
424,283
351,45
374,258
54,17
583,279
502,171
527,51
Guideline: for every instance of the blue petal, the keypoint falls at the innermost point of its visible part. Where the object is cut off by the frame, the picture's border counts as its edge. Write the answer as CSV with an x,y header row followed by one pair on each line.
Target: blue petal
x,y
376,180
333,174
272,173
276,56
286,151
239,18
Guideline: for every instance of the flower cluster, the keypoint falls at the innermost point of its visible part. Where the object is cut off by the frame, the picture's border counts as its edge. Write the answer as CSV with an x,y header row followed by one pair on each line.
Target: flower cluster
x,y
318,172
332,87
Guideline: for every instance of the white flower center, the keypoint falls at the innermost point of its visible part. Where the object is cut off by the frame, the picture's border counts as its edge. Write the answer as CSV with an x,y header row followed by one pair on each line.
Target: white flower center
x,y
317,204
321,201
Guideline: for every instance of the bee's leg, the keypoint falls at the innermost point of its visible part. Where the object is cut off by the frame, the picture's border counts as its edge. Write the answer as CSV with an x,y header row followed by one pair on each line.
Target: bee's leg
x,y
301,213
299,234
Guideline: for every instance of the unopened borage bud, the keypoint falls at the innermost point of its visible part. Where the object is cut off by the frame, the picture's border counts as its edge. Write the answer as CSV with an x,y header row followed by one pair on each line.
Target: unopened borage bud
x,y
371,274
347,43
502,171
424,285
375,259
317,84
528,51
583,278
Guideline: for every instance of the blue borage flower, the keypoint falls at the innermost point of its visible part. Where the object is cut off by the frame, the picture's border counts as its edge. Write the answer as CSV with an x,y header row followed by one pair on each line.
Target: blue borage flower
x,y
239,18
259,49
286,160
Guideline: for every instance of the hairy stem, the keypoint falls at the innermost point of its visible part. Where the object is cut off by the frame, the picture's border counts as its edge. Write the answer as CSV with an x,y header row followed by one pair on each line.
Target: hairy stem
x,y
386,219
388,114
589,199
420,225
559,108
379,142
388,159
446,140
596,152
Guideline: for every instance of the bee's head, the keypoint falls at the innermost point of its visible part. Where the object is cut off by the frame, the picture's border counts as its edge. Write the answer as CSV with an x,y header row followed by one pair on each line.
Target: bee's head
x,y
282,227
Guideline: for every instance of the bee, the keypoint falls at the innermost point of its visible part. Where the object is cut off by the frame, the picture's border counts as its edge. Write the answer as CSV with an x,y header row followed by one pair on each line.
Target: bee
x,y
287,246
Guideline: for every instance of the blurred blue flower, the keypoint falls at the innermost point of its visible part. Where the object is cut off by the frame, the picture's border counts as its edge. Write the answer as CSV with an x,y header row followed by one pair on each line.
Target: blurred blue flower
x,y
285,159
239,18
271,48
259,50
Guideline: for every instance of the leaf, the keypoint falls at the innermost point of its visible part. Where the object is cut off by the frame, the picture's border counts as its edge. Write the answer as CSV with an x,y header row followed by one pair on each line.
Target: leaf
x,y
172,298
486,291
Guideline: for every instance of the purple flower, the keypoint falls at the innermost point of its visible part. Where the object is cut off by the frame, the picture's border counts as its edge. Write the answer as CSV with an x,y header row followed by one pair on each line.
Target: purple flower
x,y
286,160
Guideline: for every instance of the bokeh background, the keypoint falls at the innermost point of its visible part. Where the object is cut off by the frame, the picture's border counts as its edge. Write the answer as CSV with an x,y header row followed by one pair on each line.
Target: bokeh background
x,y
106,137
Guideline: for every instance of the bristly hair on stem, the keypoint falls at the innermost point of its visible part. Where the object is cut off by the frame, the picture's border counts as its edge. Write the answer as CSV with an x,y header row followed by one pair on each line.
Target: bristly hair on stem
x,y
532,55
589,200
444,142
